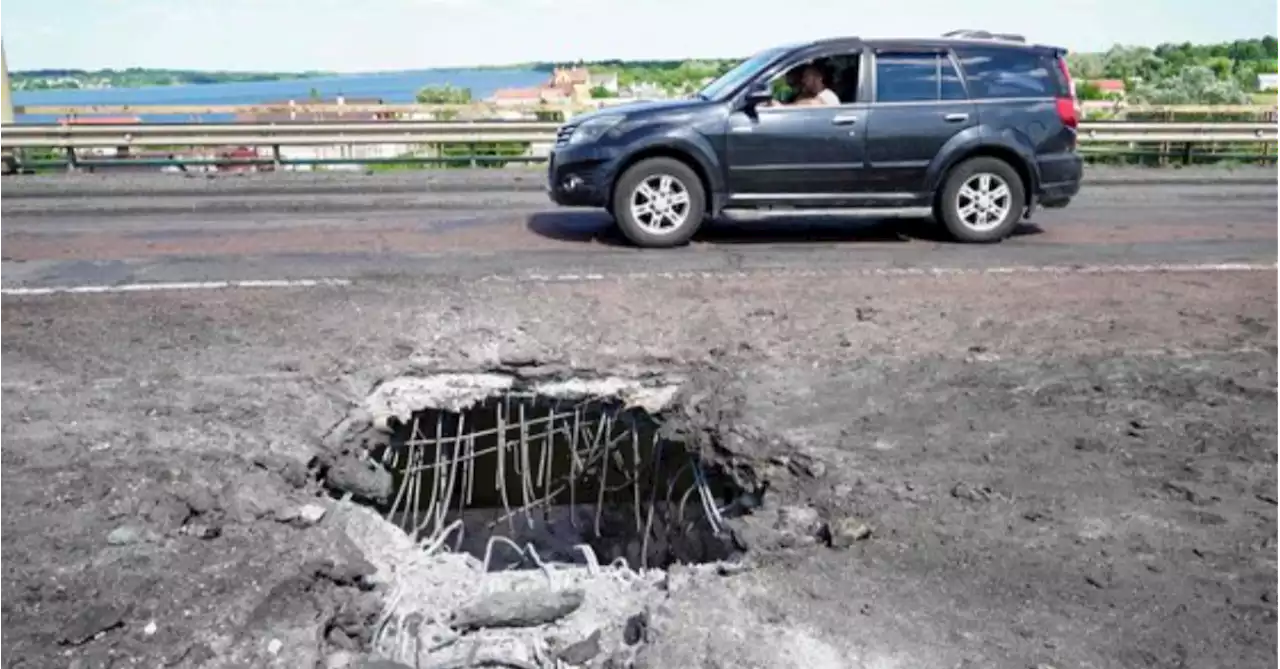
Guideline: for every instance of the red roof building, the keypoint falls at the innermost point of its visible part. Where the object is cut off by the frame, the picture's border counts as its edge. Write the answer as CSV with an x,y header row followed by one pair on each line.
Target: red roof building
x,y
1109,85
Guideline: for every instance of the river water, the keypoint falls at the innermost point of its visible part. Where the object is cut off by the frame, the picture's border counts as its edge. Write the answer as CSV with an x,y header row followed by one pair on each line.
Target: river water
x,y
392,87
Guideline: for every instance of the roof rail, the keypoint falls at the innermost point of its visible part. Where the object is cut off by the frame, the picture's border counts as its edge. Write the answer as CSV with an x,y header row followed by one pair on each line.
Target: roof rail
x,y
983,34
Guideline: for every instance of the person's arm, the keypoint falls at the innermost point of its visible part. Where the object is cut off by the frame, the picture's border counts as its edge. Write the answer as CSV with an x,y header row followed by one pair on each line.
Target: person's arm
x,y
828,97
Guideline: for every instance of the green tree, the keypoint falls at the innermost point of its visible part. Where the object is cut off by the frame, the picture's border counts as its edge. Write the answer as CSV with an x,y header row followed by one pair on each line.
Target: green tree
x,y
1221,66
1090,91
601,93
1193,85
1131,63
447,94
1176,73
1087,65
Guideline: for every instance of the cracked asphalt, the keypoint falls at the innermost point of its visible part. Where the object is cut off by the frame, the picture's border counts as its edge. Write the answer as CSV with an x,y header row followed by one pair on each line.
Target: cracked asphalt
x,y
1065,444
104,229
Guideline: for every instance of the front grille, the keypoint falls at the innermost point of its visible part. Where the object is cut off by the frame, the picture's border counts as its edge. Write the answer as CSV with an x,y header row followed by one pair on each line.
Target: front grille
x,y
562,135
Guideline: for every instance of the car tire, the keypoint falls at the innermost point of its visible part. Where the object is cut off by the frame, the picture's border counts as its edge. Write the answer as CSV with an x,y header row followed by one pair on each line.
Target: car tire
x,y
679,210
982,200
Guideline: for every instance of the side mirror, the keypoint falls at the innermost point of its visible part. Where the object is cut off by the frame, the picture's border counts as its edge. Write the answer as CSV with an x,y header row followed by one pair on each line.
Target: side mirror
x,y
759,93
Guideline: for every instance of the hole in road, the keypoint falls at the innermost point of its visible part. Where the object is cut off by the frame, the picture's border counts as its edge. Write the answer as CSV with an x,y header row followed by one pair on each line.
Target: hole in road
x,y
552,475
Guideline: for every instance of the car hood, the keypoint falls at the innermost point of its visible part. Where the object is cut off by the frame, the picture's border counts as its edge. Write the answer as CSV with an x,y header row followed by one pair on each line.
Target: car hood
x,y
641,108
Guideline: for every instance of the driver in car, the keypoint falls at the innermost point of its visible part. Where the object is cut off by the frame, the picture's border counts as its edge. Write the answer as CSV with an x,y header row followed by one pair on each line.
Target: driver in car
x,y
813,91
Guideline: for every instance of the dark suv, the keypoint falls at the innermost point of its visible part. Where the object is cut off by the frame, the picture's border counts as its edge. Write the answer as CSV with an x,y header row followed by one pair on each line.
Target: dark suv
x,y
975,130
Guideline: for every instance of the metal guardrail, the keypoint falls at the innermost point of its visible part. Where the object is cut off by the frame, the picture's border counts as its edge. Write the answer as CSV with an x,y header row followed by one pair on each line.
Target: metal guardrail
x,y
282,134
67,136
304,107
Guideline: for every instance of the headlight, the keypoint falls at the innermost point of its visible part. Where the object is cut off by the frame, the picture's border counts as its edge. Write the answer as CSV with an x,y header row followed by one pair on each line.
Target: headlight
x,y
593,129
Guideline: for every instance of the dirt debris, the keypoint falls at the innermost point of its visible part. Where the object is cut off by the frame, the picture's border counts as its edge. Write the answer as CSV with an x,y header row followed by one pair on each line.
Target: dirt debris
x,y
526,608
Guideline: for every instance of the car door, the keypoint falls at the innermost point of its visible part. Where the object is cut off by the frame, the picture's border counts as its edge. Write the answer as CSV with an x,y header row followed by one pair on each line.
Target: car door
x,y
790,153
919,105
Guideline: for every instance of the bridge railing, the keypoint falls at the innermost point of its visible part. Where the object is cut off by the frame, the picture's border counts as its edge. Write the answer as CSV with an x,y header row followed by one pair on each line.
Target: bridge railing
x,y
474,141
300,110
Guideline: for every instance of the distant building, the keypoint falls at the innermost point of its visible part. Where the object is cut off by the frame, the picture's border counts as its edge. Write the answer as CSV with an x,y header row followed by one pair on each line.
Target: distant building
x,y
280,111
564,86
516,97
1111,88
607,80
1267,82
648,91
565,78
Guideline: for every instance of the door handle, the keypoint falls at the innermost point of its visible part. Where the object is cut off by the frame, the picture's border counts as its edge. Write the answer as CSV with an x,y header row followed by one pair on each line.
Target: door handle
x,y
955,118
845,119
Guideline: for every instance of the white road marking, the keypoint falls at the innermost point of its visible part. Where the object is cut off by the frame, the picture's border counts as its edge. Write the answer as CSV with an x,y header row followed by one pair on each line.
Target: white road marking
x,y
1158,268
181,285
903,272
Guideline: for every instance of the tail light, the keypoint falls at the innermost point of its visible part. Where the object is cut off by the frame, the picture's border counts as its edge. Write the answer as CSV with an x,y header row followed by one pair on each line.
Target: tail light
x,y
1067,108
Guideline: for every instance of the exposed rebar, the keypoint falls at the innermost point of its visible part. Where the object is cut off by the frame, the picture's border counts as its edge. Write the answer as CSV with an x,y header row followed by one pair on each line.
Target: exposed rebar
x,y
558,454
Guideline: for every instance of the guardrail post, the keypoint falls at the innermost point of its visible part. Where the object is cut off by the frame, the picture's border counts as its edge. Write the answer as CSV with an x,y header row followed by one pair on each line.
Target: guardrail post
x,y
277,162
1186,154
72,164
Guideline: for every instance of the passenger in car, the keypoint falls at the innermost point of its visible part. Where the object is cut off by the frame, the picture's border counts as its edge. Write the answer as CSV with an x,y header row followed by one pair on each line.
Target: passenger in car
x,y
813,89
793,85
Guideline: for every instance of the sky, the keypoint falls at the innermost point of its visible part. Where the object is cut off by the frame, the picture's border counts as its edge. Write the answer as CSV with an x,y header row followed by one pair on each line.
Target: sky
x,y
373,35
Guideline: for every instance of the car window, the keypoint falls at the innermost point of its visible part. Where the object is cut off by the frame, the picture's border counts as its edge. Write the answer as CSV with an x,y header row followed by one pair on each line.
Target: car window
x,y
1008,73
840,74
739,75
906,77
951,86
917,77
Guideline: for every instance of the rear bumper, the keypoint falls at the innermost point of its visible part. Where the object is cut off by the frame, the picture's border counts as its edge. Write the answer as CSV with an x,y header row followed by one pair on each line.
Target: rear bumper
x,y
581,177
1060,178
1056,196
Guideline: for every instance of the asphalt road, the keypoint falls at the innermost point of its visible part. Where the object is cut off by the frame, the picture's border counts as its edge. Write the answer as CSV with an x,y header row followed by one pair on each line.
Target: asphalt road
x,y
99,230
1064,445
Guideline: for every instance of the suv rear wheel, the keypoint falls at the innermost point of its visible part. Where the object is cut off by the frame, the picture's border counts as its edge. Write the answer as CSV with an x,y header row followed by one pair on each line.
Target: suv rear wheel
x,y
659,203
982,200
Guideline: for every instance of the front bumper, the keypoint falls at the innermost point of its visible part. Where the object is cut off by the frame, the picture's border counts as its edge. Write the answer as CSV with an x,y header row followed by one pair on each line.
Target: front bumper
x,y
581,176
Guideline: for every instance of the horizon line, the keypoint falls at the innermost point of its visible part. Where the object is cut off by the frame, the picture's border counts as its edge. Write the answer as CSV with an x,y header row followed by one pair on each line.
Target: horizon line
x,y
531,63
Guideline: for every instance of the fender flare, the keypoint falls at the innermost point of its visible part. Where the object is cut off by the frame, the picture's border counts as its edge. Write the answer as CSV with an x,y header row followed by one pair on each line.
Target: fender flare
x,y
683,144
978,141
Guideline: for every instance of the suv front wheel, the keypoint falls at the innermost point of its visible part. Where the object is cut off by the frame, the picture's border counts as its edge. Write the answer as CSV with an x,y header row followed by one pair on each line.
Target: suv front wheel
x,y
982,201
659,203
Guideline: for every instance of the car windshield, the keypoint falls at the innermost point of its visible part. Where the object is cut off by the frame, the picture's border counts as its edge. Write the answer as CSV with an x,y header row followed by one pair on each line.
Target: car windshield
x,y
739,75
